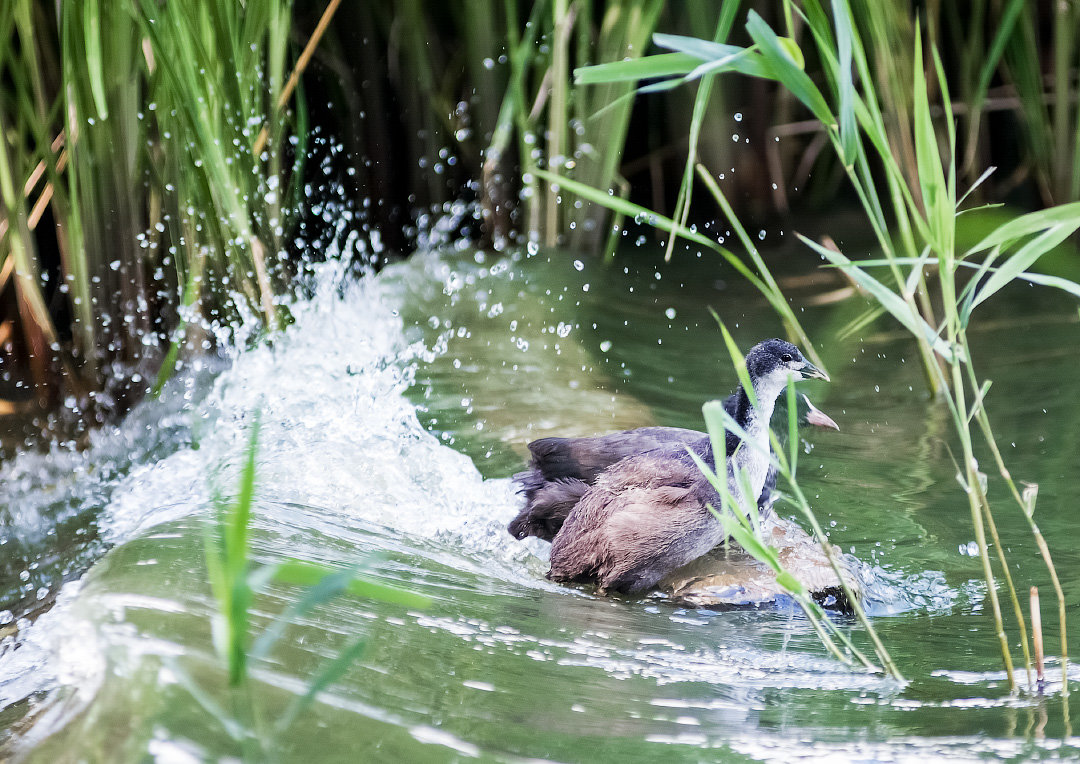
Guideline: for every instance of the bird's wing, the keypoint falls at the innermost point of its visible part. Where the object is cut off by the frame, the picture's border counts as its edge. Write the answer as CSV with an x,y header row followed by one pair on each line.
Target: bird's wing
x,y
586,458
643,519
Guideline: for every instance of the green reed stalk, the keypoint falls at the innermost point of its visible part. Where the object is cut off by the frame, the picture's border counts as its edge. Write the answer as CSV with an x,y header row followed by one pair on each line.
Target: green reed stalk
x,y
236,581
601,117
939,197
701,105
213,65
133,126
558,95
559,123
513,118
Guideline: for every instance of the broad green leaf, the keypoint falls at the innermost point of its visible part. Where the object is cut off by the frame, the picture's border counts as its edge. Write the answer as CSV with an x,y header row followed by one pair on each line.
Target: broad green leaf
x,y
634,69
714,425
747,442
703,50
887,298
95,66
845,85
747,540
717,56
1024,258
787,69
1026,225
628,208
793,427
330,673
793,51
301,573
239,516
1052,281
738,361
939,212
748,500
324,589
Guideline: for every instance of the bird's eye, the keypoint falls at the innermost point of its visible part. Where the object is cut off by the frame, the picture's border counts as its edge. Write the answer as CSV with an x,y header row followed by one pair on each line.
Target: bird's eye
x,y
786,358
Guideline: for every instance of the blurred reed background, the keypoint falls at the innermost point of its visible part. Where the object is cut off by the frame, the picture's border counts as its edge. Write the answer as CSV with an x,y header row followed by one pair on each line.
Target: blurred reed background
x,y
160,187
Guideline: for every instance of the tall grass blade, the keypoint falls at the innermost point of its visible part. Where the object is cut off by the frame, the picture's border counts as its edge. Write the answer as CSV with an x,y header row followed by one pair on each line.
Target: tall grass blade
x,y
663,65
845,85
1024,258
939,211
788,69
887,298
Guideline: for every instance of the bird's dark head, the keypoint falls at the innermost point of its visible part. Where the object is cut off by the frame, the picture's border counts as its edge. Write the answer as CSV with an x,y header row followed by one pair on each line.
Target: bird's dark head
x,y
772,362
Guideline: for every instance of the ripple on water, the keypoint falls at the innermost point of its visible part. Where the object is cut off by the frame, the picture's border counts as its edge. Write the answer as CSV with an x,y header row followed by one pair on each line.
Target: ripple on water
x,y
345,469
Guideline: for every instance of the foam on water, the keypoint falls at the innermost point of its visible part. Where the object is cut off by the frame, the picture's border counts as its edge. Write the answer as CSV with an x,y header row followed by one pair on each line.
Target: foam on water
x,y
338,435
340,446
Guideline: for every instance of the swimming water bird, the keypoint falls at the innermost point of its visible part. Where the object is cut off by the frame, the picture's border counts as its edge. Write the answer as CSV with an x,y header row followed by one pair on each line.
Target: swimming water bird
x,y
626,509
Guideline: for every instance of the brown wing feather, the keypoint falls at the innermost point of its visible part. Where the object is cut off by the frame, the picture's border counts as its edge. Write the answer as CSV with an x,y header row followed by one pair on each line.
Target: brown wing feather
x,y
644,518
562,468
585,458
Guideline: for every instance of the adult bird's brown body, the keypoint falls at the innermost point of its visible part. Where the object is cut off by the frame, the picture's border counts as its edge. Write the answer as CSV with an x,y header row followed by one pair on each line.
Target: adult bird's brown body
x,y
626,509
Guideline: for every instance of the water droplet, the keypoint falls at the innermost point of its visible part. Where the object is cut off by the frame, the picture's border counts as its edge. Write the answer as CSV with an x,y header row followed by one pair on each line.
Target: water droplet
x,y
532,248
578,265
670,313
738,116
761,235
605,346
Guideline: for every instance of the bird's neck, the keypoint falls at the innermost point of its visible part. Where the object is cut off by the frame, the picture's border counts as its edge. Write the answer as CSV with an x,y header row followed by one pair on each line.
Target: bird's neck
x,y
755,423
755,420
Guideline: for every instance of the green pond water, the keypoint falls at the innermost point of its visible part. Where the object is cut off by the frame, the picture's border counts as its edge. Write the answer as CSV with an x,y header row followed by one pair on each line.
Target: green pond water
x,y
393,413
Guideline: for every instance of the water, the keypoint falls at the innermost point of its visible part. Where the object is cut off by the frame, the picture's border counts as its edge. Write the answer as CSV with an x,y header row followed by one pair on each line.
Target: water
x,y
393,413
